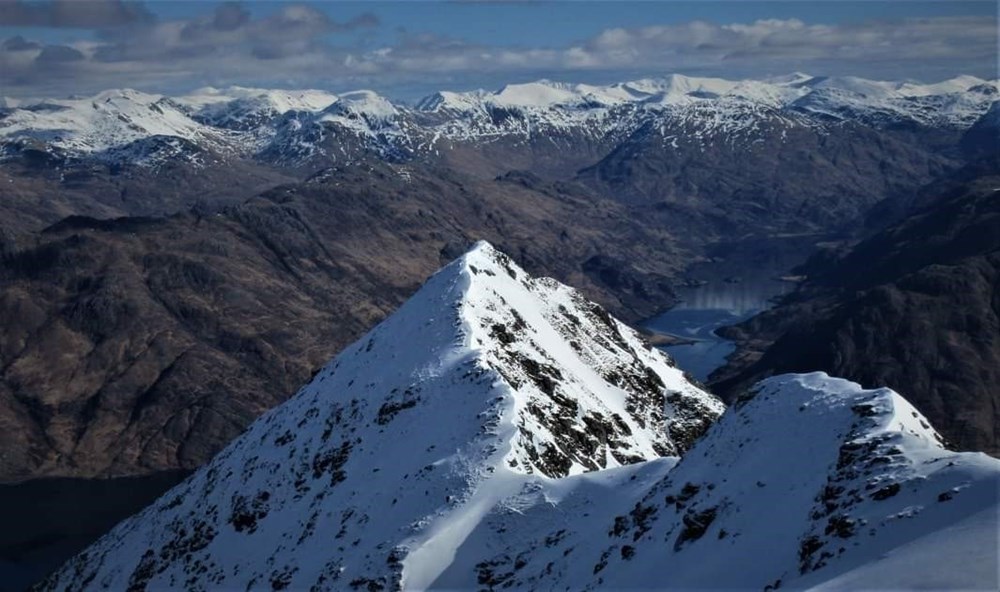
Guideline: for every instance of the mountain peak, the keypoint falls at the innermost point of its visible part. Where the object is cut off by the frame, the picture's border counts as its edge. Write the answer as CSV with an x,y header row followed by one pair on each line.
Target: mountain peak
x,y
485,381
571,369
482,249
541,93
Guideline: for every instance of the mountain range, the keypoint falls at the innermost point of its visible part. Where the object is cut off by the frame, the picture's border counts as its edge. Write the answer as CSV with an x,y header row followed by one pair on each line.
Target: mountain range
x,y
500,431
706,150
292,126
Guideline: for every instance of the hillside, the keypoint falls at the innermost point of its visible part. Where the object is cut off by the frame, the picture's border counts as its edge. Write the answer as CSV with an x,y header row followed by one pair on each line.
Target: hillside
x,y
914,307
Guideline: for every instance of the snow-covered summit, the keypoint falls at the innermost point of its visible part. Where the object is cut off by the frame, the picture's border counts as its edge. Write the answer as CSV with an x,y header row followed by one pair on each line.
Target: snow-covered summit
x,y
109,119
250,109
374,474
535,94
810,478
366,105
280,100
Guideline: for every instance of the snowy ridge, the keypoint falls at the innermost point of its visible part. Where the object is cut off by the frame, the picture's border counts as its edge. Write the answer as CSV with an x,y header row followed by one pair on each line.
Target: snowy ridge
x,y
108,120
208,100
291,127
810,478
957,110
500,431
375,473
814,482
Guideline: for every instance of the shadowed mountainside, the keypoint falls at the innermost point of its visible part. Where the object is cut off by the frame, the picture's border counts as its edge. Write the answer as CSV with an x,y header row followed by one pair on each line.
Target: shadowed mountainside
x,y
915,307
139,344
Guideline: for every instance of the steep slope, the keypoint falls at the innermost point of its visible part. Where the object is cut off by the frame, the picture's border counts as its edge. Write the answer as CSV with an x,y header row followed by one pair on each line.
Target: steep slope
x,y
760,169
811,481
914,307
812,477
808,482
485,379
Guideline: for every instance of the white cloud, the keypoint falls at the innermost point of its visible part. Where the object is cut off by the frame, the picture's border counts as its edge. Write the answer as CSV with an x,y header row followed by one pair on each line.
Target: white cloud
x,y
291,48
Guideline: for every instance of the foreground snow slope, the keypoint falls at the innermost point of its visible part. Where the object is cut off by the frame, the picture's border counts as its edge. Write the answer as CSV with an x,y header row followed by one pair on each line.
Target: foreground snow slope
x,y
502,432
814,482
377,471
809,480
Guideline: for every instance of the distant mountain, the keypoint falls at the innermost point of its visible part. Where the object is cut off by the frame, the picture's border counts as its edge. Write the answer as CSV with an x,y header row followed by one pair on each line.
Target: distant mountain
x,y
915,307
706,157
501,431
243,122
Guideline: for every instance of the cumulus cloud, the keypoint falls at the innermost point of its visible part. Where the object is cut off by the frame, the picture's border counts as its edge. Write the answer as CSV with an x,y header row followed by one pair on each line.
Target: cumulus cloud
x,y
18,43
301,46
58,54
908,48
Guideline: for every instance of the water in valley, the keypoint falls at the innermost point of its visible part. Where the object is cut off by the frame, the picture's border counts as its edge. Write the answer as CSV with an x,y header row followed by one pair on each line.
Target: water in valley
x,y
705,309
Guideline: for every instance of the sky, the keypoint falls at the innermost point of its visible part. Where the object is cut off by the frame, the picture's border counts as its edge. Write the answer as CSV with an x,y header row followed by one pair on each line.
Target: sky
x,y
409,49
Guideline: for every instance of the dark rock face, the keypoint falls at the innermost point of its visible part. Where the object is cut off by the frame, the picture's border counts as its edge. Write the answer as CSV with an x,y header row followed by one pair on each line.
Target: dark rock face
x,y
35,196
982,140
785,176
135,345
915,307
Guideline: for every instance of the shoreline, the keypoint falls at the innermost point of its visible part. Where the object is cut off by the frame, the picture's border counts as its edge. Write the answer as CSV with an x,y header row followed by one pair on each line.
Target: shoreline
x,y
660,339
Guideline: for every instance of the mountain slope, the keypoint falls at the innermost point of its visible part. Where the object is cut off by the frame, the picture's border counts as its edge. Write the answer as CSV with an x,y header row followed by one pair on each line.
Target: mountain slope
x,y
765,171
399,446
914,307
811,481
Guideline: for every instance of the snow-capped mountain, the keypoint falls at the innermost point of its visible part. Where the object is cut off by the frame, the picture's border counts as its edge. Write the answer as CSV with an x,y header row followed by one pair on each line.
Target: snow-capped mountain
x,y
501,431
485,380
952,104
291,127
239,107
109,121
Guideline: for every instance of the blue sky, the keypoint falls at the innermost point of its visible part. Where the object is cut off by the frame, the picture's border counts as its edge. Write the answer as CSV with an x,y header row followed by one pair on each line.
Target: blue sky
x,y
409,48
557,23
